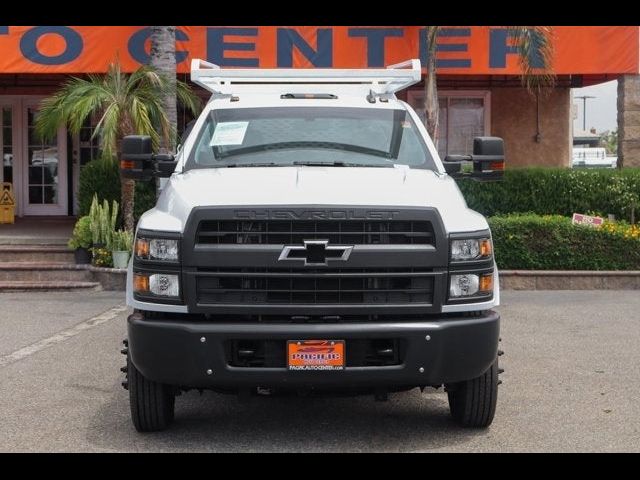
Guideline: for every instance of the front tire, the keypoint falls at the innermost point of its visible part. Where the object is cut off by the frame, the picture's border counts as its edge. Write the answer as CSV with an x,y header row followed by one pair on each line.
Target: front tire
x,y
473,402
152,403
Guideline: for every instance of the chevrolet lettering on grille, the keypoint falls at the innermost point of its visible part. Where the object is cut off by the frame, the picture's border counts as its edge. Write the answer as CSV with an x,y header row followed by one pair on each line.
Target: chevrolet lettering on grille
x,y
314,253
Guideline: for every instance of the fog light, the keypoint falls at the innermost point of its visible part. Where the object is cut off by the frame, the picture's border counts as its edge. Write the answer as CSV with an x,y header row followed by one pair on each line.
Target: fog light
x,y
464,285
164,285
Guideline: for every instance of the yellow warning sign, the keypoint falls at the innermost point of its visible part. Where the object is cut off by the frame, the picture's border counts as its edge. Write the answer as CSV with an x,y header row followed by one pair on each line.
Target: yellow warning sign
x,y
7,204
6,198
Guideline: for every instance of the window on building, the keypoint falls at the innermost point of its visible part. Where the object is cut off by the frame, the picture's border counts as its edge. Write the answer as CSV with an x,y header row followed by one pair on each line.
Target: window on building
x,y
6,144
463,115
89,147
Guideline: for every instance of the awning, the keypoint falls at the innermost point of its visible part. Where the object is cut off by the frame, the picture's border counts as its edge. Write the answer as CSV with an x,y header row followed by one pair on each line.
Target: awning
x,y
590,51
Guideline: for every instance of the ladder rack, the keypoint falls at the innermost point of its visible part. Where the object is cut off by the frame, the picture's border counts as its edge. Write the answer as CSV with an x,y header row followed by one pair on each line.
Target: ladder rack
x,y
380,81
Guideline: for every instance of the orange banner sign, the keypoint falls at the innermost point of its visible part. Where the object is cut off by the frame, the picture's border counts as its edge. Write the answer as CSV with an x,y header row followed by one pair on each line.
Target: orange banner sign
x,y
461,50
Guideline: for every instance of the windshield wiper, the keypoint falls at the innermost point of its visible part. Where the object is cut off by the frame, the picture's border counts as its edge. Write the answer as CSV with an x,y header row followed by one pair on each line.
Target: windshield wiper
x,y
302,145
312,163
338,164
261,164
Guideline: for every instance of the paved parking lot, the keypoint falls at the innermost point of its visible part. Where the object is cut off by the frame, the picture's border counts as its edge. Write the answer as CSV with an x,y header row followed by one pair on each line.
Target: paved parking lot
x,y
571,383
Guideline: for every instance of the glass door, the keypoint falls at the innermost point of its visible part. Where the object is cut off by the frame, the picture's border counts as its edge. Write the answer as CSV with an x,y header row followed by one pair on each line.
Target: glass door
x,y
6,142
45,168
85,149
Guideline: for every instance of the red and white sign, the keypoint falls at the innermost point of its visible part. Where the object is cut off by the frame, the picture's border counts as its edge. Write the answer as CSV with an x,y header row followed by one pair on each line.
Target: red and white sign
x,y
580,219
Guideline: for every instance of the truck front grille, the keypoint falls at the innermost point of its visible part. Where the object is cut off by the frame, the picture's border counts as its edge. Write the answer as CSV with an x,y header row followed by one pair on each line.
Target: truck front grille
x,y
235,261
349,232
249,286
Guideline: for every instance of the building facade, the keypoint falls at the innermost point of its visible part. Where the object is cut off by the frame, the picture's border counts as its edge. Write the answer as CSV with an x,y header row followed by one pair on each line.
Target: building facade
x,y
480,91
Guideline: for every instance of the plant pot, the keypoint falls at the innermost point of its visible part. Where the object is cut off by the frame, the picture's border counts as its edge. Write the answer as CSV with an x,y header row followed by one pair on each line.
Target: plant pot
x,y
82,255
120,258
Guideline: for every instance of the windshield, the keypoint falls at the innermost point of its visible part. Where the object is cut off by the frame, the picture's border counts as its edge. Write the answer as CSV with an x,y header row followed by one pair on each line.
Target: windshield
x,y
333,136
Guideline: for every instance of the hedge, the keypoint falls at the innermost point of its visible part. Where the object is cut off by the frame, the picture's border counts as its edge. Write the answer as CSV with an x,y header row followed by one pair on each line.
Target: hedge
x,y
559,191
552,242
102,176
99,177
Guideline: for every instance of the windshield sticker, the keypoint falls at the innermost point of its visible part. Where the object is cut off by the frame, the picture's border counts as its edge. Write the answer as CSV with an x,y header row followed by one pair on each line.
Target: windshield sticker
x,y
229,133
406,124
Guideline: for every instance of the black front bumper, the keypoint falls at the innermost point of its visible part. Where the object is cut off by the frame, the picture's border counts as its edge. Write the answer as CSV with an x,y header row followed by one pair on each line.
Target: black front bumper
x,y
172,352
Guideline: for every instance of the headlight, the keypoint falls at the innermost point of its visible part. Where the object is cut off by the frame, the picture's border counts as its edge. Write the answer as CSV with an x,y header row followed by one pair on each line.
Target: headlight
x,y
470,284
471,249
164,249
158,284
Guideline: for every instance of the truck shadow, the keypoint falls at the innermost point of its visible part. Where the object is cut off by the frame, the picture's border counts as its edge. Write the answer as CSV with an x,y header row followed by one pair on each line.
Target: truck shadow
x,y
409,421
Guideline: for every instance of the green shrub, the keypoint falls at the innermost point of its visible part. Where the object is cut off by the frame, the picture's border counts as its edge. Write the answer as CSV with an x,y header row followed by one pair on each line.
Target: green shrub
x,y
122,241
102,177
145,198
552,242
99,177
82,236
559,191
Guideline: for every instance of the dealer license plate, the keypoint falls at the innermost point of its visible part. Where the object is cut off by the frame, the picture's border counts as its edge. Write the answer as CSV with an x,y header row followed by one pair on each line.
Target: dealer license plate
x,y
315,354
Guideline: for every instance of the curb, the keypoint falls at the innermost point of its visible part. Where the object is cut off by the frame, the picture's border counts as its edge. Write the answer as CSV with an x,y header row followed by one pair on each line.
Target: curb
x,y
569,280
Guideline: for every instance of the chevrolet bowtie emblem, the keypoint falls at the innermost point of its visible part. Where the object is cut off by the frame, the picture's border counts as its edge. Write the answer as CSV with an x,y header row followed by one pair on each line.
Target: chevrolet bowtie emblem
x,y
315,253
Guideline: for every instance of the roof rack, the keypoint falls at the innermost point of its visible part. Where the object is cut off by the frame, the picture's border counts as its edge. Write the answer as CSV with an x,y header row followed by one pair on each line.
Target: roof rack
x,y
379,81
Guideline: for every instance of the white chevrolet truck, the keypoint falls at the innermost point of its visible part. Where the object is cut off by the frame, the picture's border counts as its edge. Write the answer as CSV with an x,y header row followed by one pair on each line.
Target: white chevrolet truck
x,y
309,239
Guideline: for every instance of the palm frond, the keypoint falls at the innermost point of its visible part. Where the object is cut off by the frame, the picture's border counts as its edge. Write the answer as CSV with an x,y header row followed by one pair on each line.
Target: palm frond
x,y
109,128
187,98
124,103
535,55
161,125
141,119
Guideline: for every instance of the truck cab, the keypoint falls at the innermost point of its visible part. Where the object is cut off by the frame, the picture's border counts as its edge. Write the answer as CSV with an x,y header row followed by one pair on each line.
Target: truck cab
x,y
310,239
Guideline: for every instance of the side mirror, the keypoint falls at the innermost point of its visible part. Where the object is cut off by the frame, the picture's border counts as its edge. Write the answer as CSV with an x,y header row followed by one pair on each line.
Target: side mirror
x,y
165,165
138,162
488,158
452,167
136,157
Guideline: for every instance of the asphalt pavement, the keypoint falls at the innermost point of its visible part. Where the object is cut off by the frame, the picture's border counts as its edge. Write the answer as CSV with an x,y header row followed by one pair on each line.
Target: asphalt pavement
x,y
571,383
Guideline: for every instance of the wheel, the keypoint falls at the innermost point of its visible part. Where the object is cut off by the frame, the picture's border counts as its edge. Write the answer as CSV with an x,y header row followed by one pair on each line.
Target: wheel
x,y
473,402
152,403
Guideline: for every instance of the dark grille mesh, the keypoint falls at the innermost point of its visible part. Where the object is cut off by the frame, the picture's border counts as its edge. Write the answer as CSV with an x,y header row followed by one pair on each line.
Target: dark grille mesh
x,y
348,232
327,286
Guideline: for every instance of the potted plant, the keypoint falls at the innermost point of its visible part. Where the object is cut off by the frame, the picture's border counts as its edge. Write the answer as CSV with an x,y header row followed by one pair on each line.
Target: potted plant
x,y
103,225
81,240
121,244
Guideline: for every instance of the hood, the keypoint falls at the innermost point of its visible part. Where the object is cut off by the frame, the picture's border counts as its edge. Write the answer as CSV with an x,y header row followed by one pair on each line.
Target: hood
x,y
311,186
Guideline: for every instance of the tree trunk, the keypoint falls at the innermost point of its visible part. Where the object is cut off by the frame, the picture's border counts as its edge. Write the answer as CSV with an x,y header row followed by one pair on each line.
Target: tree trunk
x,y
128,187
163,57
431,105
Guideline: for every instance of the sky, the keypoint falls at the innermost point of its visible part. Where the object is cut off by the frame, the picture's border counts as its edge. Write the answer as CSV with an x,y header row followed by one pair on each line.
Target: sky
x,y
602,111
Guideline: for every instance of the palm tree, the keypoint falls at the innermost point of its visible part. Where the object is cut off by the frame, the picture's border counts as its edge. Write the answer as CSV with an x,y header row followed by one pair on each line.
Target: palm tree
x,y
126,104
163,58
530,41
